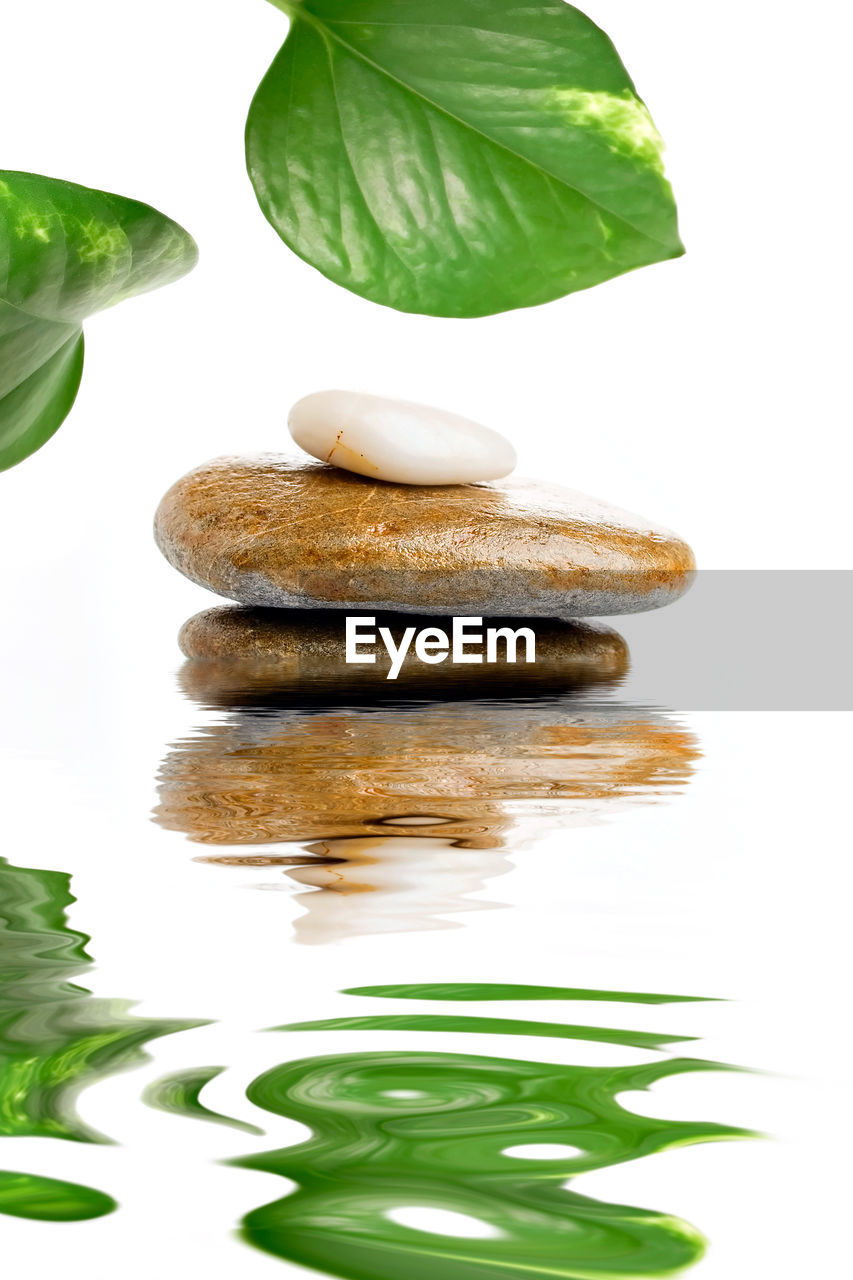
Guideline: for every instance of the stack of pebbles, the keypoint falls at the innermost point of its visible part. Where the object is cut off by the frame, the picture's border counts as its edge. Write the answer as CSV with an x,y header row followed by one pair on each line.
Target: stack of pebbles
x,y
407,518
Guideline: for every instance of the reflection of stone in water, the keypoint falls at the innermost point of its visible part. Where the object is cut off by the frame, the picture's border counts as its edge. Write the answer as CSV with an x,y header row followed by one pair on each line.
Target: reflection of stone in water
x,y
395,795
393,803
295,775
410,883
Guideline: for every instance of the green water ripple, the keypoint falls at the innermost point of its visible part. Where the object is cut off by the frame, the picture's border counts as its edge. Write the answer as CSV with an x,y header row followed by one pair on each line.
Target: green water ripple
x,y
179,1094
55,1036
449,1023
395,1131
29,1195
515,991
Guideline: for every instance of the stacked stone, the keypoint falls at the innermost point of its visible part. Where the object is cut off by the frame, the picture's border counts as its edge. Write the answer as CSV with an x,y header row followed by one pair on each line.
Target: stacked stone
x,y
406,512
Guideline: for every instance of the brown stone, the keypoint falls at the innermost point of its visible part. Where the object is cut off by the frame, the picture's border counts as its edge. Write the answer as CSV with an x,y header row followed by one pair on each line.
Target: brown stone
x,y
269,532
239,654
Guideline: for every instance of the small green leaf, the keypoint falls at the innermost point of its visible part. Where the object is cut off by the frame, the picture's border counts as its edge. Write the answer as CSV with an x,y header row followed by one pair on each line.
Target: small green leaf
x,y
66,252
458,157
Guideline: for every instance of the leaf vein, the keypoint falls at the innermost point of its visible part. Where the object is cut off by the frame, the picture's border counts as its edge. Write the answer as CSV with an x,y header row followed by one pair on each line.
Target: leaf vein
x,y
384,237
325,29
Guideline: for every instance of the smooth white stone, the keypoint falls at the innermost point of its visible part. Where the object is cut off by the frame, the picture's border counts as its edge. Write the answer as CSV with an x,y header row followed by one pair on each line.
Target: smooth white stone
x,y
398,441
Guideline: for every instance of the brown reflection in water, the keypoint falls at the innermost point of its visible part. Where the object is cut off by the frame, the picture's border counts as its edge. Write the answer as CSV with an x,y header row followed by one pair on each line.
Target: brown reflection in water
x,y
401,806
407,882
468,771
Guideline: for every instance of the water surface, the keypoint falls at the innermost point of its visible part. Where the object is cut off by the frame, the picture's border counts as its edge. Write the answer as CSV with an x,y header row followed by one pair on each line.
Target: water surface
x,y
393,816
56,1038
431,1162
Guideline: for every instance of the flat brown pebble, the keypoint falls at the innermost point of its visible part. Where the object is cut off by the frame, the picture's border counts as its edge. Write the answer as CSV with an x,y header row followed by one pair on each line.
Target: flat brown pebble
x,y
268,532
237,652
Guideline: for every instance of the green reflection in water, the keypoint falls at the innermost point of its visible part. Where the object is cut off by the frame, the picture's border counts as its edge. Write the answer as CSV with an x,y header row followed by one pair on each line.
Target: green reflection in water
x,y
55,1037
401,1131
29,1195
486,1026
515,991
179,1094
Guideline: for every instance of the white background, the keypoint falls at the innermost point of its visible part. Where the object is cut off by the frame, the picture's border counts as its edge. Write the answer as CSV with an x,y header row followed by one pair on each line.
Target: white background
x,y
705,393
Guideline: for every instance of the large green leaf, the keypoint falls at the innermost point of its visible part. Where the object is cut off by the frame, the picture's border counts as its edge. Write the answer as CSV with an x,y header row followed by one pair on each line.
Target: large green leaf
x,y
458,157
65,252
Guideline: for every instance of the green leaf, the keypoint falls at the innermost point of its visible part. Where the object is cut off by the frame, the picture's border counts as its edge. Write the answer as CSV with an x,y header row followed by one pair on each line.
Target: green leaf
x,y
65,252
458,157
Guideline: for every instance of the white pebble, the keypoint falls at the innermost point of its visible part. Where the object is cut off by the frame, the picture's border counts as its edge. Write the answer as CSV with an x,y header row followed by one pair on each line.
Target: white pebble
x,y
398,441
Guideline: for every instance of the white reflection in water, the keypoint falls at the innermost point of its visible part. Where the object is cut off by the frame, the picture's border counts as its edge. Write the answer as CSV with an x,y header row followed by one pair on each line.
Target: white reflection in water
x,y
402,883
